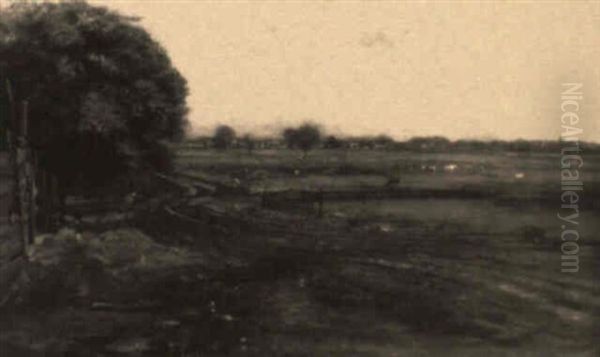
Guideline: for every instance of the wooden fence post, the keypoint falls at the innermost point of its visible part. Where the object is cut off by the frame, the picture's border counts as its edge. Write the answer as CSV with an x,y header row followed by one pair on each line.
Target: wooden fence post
x,y
22,159
15,155
28,173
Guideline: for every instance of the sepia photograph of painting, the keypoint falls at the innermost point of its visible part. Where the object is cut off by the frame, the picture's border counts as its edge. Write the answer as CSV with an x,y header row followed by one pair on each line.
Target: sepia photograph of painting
x,y
185,178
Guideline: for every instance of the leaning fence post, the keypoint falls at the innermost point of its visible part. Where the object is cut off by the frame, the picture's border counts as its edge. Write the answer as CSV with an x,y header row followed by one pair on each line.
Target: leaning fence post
x,y
29,171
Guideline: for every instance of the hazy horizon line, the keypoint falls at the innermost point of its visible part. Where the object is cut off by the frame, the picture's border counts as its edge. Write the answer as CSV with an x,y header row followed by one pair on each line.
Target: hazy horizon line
x,y
324,133
275,130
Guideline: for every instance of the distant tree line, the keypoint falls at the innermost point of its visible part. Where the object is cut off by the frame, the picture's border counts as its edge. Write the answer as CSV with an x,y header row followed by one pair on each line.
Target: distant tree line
x,y
310,136
305,137
441,144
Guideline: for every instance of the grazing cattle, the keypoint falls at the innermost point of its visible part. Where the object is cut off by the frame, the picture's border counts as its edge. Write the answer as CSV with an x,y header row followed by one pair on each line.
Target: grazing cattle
x,y
450,167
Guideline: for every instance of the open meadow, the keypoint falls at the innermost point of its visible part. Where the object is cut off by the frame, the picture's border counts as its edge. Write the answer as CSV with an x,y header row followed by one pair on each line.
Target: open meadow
x,y
361,253
440,242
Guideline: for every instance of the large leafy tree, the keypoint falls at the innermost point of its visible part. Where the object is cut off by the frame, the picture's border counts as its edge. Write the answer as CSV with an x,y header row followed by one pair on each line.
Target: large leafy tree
x,y
224,137
103,94
305,137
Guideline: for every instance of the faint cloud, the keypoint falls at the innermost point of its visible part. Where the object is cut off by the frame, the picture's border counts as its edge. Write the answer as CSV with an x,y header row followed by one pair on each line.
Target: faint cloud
x,y
378,38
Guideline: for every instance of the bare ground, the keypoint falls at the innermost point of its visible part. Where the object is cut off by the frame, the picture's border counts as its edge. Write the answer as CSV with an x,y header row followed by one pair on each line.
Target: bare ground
x,y
325,288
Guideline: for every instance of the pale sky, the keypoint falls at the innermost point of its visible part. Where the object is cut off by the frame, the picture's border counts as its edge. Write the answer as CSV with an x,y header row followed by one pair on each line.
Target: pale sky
x,y
461,70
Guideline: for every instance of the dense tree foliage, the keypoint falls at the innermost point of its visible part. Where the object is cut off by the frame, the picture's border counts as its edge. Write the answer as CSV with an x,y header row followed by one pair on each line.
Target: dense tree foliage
x,y
224,137
305,137
332,142
103,94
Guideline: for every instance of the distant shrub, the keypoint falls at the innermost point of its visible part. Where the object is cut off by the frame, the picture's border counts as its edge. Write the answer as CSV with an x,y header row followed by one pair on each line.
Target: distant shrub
x,y
331,142
224,137
305,137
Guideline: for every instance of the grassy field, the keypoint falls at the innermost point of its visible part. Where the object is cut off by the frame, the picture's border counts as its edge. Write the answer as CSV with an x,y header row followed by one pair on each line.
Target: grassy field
x,y
203,274
466,275
518,175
